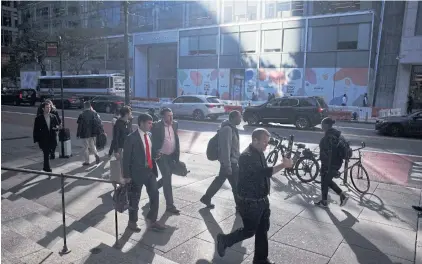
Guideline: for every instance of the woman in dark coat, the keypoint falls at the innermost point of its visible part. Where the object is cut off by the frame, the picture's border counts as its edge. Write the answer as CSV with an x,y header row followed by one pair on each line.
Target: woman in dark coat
x,y
45,129
56,114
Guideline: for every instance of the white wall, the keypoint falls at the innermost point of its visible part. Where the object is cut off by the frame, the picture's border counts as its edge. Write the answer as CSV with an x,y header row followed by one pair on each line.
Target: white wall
x,y
140,71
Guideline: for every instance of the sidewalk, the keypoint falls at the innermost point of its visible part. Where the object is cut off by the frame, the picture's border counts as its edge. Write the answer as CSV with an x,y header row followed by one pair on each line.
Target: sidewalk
x,y
378,227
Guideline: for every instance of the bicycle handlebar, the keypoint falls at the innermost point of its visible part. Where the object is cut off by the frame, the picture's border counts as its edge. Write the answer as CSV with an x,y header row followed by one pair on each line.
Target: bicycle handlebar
x,y
363,146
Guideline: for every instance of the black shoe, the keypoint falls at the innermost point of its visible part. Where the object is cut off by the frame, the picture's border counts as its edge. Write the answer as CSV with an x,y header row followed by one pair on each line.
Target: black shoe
x,y
85,164
417,208
47,170
173,210
322,204
221,246
206,202
343,199
97,159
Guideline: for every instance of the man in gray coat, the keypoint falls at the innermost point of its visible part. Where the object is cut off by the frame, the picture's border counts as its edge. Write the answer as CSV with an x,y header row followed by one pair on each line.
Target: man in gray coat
x,y
228,156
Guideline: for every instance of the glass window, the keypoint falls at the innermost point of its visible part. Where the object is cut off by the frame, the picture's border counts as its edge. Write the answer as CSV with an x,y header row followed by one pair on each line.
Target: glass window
x,y
207,44
418,29
274,103
188,46
248,41
202,13
42,12
307,102
293,39
240,11
289,102
322,38
330,7
277,9
348,37
6,38
213,100
178,100
229,43
116,50
73,10
252,12
228,12
6,18
97,83
271,40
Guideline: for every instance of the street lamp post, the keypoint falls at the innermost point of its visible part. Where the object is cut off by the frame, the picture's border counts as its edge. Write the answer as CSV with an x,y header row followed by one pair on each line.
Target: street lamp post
x,y
126,41
62,98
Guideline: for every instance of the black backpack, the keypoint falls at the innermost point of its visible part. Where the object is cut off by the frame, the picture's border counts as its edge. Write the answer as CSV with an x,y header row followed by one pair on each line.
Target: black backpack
x,y
344,150
212,148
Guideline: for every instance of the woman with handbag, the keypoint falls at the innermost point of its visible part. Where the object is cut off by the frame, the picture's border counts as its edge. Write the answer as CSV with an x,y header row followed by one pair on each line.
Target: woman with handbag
x,y
121,130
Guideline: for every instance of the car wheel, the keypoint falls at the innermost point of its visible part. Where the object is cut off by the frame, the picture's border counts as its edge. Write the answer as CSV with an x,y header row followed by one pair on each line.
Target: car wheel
x,y
198,115
253,120
396,130
108,109
302,122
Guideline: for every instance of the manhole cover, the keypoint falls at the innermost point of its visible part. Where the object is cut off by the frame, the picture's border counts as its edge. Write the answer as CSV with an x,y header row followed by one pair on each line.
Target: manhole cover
x,y
95,250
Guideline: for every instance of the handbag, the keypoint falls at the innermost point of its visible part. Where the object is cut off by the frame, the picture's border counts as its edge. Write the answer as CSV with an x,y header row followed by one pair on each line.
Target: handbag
x,y
101,140
179,168
116,174
121,198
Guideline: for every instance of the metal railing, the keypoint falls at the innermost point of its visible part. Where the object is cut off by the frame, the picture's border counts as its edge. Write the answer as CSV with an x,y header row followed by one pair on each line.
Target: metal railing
x,y
65,249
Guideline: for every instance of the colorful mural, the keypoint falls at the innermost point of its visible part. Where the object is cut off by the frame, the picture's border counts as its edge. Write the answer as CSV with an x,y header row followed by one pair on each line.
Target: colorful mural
x,y
279,81
350,81
224,84
250,83
319,82
197,81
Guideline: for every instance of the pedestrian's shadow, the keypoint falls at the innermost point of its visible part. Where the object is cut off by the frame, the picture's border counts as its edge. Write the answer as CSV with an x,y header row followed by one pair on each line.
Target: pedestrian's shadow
x,y
215,229
294,187
351,236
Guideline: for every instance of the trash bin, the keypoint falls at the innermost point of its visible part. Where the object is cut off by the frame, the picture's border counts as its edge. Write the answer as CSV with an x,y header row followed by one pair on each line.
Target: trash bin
x,y
64,136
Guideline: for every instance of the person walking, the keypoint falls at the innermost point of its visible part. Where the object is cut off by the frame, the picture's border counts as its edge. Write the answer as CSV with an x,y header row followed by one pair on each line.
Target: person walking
x,y
89,126
228,156
113,122
121,130
409,109
53,111
166,149
331,162
253,188
344,100
365,100
139,169
45,133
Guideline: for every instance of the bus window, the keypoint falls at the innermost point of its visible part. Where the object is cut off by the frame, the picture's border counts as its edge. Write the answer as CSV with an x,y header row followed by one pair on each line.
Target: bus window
x,y
46,83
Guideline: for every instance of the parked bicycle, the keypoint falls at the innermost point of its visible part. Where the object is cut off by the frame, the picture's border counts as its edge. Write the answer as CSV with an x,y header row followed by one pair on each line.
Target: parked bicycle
x,y
360,180
305,164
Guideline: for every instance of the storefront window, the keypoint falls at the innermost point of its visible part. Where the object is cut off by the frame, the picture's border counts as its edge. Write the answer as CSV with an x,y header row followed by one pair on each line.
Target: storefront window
x,y
415,89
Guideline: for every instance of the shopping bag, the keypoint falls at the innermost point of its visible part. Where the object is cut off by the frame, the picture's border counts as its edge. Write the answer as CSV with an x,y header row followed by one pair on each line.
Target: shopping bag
x,y
116,174
121,198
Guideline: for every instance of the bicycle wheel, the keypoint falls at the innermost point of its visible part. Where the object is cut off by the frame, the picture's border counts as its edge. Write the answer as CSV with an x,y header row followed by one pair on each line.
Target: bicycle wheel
x,y
307,169
360,179
272,157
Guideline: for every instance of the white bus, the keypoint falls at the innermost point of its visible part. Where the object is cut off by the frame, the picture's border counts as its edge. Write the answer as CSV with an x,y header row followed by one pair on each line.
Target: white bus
x,y
94,84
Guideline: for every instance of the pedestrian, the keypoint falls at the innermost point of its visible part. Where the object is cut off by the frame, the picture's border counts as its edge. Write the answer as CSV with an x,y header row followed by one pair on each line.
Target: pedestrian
x,y
151,112
121,129
166,150
45,133
270,97
331,162
253,188
139,169
365,100
228,156
89,126
53,111
409,104
344,100
116,116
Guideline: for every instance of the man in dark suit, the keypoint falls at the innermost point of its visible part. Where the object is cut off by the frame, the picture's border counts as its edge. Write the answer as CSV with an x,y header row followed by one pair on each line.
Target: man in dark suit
x,y
166,149
45,129
139,169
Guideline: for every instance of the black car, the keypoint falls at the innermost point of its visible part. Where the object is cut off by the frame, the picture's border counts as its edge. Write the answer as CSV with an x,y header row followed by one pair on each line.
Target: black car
x,y
107,103
409,125
302,111
19,96
69,101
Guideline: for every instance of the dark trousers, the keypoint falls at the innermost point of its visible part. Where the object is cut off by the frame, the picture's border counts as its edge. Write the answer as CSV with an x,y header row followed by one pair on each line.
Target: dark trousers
x,y
256,221
150,183
220,179
327,181
46,152
165,164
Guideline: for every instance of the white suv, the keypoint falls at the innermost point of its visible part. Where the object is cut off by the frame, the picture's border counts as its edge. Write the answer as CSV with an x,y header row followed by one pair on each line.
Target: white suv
x,y
198,107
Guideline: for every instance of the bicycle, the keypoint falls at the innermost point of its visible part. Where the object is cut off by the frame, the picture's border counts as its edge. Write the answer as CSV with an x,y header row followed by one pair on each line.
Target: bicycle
x,y
362,174
301,156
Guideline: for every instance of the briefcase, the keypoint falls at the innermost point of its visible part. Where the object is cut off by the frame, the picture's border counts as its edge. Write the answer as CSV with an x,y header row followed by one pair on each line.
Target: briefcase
x,y
179,168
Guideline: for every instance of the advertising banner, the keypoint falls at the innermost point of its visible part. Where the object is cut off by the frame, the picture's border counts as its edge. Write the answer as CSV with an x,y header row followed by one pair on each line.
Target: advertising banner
x,y
197,81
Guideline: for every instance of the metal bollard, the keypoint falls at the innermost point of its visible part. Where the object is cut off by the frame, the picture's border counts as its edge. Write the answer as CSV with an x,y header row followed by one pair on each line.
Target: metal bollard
x,y
65,250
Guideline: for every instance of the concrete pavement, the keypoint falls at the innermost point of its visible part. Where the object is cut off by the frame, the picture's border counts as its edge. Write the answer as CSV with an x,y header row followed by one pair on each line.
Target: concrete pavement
x,y
378,227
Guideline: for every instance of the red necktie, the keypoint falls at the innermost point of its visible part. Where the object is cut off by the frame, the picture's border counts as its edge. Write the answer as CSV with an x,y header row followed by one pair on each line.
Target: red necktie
x,y
149,160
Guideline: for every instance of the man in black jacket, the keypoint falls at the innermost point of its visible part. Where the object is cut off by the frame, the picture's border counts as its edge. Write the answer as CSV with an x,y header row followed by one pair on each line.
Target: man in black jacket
x,y
89,125
330,162
253,188
121,130
166,149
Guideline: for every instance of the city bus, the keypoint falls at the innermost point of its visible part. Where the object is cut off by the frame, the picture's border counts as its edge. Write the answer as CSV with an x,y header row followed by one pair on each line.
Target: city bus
x,y
84,85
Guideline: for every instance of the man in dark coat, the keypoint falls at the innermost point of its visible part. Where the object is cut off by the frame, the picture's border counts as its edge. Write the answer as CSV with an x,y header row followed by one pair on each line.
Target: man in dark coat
x,y
139,169
45,129
53,111
253,188
166,148
89,125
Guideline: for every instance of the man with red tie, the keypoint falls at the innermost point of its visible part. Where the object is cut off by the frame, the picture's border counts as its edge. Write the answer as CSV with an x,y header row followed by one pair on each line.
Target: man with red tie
x,y
139,169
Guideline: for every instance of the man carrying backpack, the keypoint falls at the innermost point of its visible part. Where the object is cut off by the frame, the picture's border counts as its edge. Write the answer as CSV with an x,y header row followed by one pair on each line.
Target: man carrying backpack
x,y
228,156
333,150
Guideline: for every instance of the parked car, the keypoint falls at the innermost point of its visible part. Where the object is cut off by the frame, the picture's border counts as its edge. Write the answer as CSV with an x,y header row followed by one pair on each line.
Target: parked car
x,y
19,96
302,111
68,101
107,103
409,125
197,107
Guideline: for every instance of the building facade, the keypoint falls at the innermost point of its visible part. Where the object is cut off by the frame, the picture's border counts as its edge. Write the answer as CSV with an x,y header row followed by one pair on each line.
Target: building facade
x,y
9,28
241,48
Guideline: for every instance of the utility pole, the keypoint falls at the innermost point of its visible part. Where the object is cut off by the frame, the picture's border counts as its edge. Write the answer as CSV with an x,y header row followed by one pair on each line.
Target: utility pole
x,y
126,41
62,97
